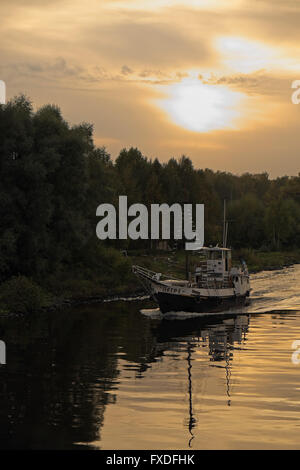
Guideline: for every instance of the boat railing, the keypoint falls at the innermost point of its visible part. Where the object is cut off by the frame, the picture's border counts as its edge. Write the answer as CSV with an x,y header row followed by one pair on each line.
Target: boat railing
x,y
210,281
146,273
211,284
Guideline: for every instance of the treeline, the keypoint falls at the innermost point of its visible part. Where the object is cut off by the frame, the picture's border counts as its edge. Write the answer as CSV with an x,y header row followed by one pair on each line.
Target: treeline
x,y
53,178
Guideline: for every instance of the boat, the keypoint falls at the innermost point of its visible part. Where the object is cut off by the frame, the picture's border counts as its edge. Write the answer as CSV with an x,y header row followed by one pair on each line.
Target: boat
x,y
214,286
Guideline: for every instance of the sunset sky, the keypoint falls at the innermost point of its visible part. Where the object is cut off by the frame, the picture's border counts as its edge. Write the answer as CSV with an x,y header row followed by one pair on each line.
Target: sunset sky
x,y
207,78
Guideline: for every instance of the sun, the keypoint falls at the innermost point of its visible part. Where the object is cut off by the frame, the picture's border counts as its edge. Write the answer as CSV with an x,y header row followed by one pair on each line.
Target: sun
x,y
201,107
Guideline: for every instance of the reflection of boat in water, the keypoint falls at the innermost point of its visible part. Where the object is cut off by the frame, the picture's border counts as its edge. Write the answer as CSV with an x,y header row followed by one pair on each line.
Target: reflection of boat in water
x,y
218,336
221,339
214,286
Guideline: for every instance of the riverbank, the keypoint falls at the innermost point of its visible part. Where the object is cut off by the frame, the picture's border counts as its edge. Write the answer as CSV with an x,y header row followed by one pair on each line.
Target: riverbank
x,y
269,261
22,295
174,264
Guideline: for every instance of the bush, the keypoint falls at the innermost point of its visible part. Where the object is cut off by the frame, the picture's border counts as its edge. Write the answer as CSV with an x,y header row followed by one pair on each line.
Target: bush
x,y
21,295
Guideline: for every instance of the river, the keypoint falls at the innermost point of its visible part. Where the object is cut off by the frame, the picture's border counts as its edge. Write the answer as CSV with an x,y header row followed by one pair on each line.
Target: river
x,y
119,376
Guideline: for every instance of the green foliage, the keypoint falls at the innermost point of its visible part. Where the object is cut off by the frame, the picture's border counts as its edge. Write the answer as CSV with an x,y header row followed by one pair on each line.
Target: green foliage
x,y
247,221
260,260
53,178
21,295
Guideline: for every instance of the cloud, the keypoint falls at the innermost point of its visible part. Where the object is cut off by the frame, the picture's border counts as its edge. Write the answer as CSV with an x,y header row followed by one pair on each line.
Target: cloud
x,y
56,69
64,73
168,4
257,83
148,44
126,70
102,61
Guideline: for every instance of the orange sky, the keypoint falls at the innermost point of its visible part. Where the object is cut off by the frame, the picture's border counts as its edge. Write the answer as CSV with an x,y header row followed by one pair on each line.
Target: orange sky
x,y
207,78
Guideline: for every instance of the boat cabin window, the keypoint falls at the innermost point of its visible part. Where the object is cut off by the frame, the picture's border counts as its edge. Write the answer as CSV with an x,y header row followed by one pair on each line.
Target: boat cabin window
x,y
218,259
214,255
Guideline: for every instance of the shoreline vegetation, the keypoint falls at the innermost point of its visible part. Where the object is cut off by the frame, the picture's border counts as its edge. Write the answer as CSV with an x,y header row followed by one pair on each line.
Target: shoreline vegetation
x,y
21,295
53,178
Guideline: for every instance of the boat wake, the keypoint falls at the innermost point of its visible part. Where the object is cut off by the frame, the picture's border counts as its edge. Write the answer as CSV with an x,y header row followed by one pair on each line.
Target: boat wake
x,y
155,313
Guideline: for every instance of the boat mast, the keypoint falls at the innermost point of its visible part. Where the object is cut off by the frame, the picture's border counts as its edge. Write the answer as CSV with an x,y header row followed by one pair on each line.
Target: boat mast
x,y
187,265
187,257
225,226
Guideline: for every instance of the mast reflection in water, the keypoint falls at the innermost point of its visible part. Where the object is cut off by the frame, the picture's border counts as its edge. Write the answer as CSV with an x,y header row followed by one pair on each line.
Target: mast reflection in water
x,y
219,337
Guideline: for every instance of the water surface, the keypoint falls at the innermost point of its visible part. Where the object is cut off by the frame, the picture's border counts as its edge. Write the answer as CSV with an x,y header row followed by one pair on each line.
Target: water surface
x,y
107,376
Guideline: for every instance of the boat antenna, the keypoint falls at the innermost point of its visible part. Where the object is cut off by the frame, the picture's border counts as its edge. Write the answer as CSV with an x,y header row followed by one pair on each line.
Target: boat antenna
x,y
225,226
187,256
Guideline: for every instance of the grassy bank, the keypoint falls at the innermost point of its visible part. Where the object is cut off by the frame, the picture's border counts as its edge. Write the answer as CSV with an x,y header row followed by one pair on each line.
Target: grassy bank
x,y
256,261
23,295
266,261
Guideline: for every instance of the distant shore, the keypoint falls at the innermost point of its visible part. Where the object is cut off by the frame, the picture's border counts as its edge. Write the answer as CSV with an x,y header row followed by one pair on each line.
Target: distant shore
x,y
174,265
25,296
